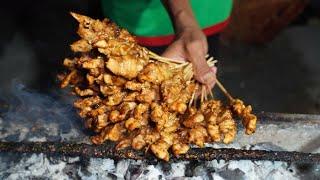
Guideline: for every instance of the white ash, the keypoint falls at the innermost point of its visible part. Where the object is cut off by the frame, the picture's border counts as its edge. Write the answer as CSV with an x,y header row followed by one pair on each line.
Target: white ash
x,y
99,168
151,172
288,136
270,170
41,166
178,169
216,177
35,166
121,168
37,139
221,145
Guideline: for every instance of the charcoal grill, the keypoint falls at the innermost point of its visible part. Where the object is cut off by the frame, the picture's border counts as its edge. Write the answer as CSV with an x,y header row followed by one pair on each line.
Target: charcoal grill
x,y
38,131
209,153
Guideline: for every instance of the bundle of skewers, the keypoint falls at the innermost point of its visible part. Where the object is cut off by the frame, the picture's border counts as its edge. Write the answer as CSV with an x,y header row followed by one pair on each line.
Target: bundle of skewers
x,y
132,96
237,105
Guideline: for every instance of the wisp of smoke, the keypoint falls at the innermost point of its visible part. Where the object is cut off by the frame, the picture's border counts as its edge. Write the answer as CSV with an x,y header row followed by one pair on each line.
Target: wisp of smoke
x,y
32,116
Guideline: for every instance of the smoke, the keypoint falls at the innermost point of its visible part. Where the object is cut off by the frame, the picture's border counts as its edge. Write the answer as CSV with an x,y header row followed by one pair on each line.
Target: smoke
x,y
25,114
32,116
17,61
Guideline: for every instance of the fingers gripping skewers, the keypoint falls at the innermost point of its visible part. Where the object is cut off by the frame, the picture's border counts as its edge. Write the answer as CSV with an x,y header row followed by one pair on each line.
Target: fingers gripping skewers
x,y
139,99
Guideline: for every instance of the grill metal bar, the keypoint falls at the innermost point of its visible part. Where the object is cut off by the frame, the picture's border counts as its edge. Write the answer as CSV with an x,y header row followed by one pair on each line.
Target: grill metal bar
x,y
107,151
280,118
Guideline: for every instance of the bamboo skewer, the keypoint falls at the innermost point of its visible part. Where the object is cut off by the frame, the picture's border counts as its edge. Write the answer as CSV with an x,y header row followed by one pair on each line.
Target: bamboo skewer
x,y
205,94
167,62
201,95
211,94
156,56
181,65
210,59
193,95
188,74
225,92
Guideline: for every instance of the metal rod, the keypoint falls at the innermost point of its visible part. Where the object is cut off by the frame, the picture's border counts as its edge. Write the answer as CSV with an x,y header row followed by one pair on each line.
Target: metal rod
x,y
107,151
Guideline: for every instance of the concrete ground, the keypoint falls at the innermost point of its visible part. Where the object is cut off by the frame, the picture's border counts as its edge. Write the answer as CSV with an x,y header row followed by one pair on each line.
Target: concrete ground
x,y
281,76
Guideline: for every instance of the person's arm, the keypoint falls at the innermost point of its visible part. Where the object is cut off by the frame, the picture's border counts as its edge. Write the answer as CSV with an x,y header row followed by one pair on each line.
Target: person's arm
x,y
190,43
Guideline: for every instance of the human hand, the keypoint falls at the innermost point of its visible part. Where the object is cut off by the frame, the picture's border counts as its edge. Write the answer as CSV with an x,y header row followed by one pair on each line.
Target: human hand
x,y
191,45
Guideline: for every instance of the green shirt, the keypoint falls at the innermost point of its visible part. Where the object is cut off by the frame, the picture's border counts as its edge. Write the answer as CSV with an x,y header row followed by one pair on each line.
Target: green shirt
x,y
150,18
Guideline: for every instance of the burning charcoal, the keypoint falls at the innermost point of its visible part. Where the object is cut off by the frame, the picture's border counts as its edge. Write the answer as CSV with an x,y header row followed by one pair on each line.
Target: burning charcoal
x,y
112,176
152,172
235,174
134,172
71,172
166,167
307,170
190,168
84,164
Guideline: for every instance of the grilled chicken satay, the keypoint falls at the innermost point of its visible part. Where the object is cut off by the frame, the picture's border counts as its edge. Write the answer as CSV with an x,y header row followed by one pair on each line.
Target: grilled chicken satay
x,y
249,120
127,97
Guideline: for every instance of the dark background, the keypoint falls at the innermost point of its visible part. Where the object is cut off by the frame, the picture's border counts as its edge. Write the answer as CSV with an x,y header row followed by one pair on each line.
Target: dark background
x,y
280,76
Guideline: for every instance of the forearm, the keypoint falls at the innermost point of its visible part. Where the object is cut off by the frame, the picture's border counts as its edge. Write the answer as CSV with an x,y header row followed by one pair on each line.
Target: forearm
x,y
181,14
190,43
